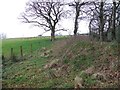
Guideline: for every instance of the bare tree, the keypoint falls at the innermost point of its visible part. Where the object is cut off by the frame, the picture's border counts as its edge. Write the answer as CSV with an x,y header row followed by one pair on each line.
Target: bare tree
x,y
103,17
45,14
114,18
77,4
95,15
101,20
98,19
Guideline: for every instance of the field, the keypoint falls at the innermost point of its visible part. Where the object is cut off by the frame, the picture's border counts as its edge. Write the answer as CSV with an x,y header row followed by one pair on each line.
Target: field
x,y
56,64
37,43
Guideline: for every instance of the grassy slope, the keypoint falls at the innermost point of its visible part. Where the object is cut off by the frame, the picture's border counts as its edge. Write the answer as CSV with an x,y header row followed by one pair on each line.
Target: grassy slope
x,y
11,70
78,55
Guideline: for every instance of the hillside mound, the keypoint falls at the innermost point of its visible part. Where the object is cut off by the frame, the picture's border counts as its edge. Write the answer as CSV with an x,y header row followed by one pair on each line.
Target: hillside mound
x,y
95,62
74,62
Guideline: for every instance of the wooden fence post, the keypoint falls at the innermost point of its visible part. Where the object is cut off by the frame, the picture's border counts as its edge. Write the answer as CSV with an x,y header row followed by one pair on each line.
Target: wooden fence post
x,y
31,49
3,57
12,55
21,51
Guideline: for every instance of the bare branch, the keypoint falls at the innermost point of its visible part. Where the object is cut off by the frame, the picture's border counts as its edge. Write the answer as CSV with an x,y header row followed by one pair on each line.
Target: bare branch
x,y
48,12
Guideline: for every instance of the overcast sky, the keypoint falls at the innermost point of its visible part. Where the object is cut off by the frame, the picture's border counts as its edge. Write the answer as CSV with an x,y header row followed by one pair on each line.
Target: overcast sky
x,y
12,27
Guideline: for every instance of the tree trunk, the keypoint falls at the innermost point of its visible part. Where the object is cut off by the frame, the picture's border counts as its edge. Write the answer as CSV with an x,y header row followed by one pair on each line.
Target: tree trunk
x,y
76,25
53,34
90,30
101,21
109,23
113,21
76,19
118,33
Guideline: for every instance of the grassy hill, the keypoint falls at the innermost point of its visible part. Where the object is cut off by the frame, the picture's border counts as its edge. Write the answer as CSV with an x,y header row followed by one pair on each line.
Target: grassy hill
x,y
57,64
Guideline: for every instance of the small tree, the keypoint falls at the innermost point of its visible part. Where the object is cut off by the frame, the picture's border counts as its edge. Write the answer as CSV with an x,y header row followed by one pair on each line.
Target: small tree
x,y
45,14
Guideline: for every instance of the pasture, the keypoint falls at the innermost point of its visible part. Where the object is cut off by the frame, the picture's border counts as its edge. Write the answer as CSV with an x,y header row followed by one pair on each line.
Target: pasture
x,y
37,43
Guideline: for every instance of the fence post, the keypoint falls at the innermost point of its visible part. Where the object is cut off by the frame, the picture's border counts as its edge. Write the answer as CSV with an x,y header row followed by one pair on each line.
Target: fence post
x,y
12,53
31,49
21,51
3,59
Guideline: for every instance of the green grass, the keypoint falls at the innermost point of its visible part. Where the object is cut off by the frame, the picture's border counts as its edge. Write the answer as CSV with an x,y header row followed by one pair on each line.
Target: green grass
x,y
37,43
27,72
23,72
31,72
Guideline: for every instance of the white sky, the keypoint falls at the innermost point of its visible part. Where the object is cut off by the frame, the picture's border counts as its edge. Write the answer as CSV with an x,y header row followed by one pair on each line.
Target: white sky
x,y
12,26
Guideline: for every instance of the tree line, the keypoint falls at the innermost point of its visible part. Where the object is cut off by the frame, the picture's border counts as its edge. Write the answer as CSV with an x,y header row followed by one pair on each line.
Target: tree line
x,y
103,16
